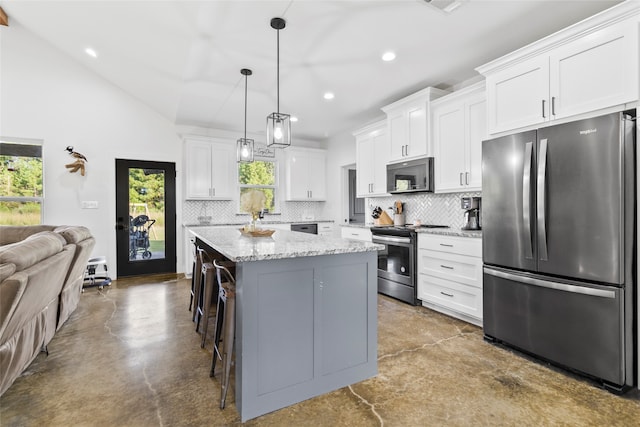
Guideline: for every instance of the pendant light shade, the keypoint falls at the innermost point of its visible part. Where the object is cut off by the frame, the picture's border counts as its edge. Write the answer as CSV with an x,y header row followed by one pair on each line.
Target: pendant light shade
x,y
278,124
245,146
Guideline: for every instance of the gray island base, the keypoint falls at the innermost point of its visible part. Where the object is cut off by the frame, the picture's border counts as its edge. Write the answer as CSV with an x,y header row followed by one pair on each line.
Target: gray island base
x,y
306,315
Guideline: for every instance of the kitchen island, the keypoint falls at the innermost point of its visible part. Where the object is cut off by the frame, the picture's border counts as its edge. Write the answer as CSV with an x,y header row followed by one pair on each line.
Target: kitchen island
x,y
306,314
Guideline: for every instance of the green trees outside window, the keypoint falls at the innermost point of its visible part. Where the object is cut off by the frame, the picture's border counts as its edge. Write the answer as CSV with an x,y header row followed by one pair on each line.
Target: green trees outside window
x,y
260,175
21,189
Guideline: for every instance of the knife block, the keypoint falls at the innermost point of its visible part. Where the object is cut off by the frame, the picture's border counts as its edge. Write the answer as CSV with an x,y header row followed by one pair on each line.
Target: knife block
x,y
384,219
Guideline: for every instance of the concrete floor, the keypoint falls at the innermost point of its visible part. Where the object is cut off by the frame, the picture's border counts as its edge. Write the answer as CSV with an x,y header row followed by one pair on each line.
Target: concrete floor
x,y
129,356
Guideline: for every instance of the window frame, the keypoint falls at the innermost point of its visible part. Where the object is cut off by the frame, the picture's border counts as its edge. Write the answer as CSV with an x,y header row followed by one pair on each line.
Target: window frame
x,y
23,199
275,187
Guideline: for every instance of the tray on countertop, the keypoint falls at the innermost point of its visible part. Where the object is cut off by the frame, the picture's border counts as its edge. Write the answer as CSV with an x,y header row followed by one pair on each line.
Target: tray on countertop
x,y
256,233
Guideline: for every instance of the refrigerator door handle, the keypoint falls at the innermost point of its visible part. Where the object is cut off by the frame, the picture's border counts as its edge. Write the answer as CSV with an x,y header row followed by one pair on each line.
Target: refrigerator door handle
x,y
526,200
549,284
542,223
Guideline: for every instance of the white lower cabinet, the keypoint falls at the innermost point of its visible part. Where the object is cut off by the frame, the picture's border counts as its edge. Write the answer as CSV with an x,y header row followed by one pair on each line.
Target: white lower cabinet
x,y
189,252
276,226
356,233
325,229
450,275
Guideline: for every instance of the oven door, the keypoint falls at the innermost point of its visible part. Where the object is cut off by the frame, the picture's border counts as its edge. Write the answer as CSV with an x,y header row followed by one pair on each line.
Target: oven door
x,y
396,260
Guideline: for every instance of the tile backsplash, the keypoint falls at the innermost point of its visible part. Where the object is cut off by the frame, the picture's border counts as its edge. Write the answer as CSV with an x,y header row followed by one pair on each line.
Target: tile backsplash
x,y
225,212
429,208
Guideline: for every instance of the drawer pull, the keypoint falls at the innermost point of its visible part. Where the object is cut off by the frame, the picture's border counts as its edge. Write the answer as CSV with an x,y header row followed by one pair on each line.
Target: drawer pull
x,y
446,266
448,246
355,234
446,294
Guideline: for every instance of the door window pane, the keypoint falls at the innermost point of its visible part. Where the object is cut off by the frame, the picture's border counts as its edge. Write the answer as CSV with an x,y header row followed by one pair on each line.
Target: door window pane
x,y
146,214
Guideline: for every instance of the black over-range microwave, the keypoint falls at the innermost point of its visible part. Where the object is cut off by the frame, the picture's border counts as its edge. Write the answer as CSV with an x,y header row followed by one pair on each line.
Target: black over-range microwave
x,y
412,176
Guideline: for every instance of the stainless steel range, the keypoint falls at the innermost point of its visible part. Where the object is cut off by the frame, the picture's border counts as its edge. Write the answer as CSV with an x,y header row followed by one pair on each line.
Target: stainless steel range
x,y
397,276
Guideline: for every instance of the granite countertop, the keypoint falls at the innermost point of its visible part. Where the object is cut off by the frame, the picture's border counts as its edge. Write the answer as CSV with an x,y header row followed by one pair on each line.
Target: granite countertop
x,y
451,231
282,244
262,222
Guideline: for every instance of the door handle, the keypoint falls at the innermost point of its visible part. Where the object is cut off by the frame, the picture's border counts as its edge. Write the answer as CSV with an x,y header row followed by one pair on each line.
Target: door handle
x,y
526,199
553,105
121,225
466,178
461,178
543,115
576,289
542,223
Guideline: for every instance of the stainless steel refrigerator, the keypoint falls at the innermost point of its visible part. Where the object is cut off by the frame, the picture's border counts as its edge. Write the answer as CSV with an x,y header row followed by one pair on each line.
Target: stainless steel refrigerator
x,y
558,206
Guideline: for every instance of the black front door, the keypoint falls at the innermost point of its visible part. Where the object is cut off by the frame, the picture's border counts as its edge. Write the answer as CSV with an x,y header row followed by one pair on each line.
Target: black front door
x,y
145,217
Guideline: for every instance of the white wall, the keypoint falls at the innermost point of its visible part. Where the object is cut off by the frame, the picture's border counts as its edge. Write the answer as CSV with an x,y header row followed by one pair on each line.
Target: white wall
x,y
341,152
46,95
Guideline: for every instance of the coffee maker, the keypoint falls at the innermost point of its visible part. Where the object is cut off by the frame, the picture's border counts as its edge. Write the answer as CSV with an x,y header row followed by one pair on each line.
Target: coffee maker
x,y
472,213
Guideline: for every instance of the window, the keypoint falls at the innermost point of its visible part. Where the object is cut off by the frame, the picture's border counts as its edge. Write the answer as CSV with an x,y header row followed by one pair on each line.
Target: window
x,y
261,175
21,193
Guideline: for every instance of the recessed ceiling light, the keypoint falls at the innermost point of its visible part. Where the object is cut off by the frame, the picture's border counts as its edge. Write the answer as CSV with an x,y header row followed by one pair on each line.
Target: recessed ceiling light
x,y
388,56
329,95
92,53
294,119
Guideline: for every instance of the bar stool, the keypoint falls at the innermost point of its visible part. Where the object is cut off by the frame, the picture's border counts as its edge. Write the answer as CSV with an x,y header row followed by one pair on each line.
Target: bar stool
x,y
208,288
225,319
196,283
194,269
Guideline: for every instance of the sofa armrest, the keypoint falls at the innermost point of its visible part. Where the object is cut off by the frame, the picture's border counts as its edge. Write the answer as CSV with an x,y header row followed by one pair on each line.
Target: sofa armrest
x,y
11,291
32,250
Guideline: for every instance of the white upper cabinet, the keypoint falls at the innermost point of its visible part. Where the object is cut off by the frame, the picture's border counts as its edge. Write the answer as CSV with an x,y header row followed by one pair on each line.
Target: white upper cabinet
x,y
209,169
459,126
589,66
595,72
408,125
517,96
372,154
305,174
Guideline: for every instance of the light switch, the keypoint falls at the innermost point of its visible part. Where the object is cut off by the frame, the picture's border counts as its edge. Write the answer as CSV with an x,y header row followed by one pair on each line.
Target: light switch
x,y
89,204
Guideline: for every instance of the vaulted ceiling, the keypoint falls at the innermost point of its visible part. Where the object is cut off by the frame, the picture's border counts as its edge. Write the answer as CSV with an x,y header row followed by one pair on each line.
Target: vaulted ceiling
x,y
183,58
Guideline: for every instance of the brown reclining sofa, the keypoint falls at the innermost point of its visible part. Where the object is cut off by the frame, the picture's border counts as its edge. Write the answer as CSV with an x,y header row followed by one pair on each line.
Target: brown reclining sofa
x,y
41,275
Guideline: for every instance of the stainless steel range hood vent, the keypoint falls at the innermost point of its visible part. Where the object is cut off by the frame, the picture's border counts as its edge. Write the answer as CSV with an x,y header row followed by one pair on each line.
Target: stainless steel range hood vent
x,y
446,6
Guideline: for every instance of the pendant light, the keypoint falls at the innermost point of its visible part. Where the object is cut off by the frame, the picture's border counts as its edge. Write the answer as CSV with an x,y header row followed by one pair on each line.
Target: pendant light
x,y
278,124
245,146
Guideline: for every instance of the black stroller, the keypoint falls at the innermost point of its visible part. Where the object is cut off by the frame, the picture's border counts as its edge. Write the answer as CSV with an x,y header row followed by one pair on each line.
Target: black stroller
x,y
139,236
